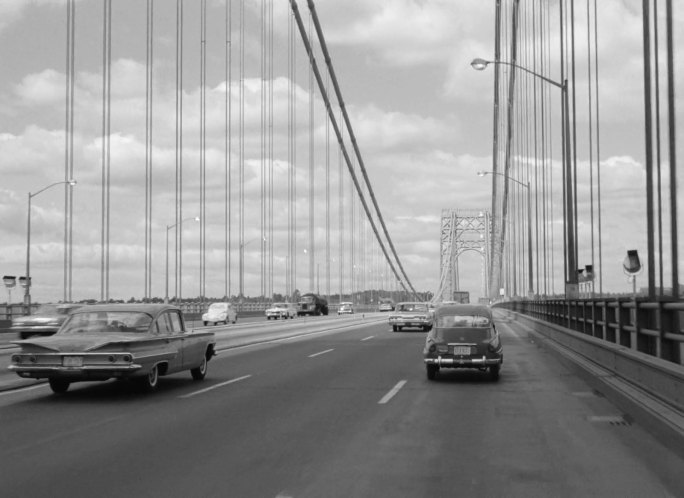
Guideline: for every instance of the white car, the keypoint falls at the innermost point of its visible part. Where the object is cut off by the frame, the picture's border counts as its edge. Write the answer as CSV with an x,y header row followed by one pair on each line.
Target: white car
x,y
281,310
220,313
345,308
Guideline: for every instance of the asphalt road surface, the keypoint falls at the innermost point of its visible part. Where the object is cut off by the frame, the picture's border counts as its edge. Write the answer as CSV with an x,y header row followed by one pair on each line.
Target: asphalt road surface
x,y
334,413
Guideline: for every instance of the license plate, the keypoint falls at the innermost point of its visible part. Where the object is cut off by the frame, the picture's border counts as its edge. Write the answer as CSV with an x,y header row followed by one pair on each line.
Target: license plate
x,y
461,350
72,361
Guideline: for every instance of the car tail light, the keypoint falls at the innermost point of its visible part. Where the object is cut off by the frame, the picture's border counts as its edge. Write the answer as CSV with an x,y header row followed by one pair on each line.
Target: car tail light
x,y
127,358
432,348
16,358
442,348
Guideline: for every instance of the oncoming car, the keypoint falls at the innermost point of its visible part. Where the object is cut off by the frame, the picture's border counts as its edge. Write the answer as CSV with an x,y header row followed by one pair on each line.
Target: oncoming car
x,y
281,310
219,313
463,336
116,341
345,308
414,315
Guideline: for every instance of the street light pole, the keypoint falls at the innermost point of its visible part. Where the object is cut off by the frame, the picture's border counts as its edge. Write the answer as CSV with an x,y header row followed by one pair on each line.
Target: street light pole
x,y
169,227
530,275
27,288
570,249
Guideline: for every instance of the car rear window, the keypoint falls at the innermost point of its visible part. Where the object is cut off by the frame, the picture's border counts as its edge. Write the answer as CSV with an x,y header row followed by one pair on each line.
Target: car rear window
x,y
449,321
106,321
460,334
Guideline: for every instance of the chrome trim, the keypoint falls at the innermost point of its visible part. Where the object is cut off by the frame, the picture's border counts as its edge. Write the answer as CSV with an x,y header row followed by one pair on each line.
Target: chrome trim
x,y
462,362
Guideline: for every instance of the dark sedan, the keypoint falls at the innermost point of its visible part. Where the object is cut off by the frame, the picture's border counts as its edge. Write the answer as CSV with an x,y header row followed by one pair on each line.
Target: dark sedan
x,y
141,342
463,336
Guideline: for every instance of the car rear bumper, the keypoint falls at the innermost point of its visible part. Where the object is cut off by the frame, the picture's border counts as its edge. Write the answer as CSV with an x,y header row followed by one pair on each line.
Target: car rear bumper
x,y
452,362
85,372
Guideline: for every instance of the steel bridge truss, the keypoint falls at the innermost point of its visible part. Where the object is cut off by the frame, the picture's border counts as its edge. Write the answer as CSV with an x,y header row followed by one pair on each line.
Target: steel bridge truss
x,y
462,231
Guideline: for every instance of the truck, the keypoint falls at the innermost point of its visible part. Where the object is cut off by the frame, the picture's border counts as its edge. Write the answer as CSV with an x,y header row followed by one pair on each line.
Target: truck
x,y
312,304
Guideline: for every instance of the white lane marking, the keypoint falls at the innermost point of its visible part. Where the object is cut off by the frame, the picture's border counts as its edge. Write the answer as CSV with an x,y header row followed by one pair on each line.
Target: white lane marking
x,y
320,353
232,381
392,392
367,338
22,389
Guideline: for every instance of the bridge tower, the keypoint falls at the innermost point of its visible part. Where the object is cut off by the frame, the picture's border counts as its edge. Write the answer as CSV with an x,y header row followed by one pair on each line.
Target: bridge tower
x,y
461,231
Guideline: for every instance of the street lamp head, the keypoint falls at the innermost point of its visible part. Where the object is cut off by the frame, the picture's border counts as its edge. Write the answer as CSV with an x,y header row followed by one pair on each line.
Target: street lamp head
x,y
482,173
479,64
72,182
196,218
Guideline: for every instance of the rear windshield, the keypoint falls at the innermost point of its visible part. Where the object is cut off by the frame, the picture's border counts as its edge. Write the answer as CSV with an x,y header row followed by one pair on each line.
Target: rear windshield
x,y
412,307
218,307
463,334
448,321
106,321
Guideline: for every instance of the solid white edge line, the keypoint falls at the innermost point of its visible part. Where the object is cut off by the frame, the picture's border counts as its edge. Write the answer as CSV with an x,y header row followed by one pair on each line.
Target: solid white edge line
x,y
215,386
320,353
367,338
392,392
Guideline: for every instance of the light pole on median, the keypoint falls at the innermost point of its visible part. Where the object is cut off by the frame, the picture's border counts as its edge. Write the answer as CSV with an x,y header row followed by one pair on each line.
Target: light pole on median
x,y
530,277
27,286
571,278
169,227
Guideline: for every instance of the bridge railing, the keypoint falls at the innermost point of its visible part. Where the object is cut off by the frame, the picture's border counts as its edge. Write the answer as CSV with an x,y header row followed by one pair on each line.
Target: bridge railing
x,y
652,328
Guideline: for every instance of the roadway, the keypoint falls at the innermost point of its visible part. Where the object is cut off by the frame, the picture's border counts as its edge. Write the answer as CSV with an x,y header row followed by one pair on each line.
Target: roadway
x,y
323,412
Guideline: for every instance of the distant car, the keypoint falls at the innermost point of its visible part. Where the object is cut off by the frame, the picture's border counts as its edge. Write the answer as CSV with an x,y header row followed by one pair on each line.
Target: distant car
x,y
410,315
219,313
122,341
463,336
281,310
386,304
45,321
345,308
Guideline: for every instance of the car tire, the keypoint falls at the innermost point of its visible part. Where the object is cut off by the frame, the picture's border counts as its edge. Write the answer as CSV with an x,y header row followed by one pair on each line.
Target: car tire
x,y
394,328
399,328
200,372
150,381
494,371
432,371
235,320
59,386
205,323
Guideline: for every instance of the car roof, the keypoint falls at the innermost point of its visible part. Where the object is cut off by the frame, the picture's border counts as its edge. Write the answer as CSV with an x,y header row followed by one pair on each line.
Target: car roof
x,y
463,309
152,309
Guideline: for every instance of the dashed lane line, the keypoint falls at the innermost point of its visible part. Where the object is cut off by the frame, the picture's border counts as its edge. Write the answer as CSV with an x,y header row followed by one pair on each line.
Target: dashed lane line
x,y
215,386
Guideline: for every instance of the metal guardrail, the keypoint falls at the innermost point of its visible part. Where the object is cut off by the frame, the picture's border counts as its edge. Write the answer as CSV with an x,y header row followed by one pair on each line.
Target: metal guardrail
x,y
652,328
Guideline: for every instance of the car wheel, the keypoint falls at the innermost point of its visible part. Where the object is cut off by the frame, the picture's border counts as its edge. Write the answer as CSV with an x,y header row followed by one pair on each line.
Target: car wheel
x,y
399,328
494,371
432,371
394,328
200,372
205,323
59,386
235,320
150,381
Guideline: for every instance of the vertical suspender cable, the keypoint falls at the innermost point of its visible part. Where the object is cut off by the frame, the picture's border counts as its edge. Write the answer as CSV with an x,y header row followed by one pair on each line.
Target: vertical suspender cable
x,y
203,144
649,147
327,200
241,169
591,137
672,152
148,147
179,150
598,150
106,113
659,184
69,148
312,246
228,163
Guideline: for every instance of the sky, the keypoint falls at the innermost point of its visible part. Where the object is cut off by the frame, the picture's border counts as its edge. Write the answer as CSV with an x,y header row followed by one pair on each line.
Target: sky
x,y
421,115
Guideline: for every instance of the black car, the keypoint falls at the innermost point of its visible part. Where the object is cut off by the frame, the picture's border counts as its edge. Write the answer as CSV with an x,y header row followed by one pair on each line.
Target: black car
x,y
463,336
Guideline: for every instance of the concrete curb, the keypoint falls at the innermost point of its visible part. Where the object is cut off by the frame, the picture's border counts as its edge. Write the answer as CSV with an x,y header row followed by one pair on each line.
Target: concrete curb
x,y
664,421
